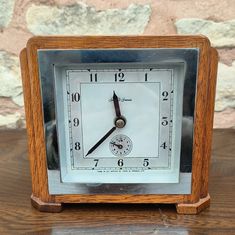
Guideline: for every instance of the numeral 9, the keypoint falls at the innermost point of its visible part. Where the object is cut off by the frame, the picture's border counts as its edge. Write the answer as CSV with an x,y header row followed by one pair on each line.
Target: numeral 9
x,y
76,122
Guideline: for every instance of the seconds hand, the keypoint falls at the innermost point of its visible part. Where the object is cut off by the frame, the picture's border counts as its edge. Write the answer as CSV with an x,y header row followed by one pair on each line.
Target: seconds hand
x,y
101,140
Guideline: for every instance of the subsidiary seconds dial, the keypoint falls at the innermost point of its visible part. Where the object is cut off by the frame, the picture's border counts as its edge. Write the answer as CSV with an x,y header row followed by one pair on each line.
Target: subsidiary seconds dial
x,y
120,145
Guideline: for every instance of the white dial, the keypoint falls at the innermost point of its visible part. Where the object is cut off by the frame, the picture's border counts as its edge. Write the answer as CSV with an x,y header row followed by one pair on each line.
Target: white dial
x,y
120,126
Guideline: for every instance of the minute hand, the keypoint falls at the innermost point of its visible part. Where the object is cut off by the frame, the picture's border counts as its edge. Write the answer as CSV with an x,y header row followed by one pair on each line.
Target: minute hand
x,y
101,140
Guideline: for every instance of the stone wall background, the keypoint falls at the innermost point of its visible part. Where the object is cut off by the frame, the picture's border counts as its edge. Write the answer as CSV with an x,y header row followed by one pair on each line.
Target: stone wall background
x,y
21,19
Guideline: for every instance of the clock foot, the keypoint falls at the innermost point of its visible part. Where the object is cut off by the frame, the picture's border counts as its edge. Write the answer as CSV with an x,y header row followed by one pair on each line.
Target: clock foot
x,y
194,208
45,206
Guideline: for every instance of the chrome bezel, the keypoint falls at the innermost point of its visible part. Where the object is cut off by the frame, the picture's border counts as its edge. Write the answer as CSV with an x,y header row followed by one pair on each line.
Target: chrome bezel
x,y
49,59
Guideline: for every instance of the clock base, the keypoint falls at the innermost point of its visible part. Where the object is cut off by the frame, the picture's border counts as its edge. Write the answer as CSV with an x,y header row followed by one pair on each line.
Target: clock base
x,y
181,208
194,208
45,206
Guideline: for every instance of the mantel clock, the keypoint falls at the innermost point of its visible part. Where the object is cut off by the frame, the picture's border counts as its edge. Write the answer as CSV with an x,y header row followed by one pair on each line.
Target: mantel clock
x,y
119,119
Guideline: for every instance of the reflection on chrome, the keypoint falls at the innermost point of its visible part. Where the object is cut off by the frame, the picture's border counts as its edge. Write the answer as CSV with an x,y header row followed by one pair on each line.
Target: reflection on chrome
x,y
147,57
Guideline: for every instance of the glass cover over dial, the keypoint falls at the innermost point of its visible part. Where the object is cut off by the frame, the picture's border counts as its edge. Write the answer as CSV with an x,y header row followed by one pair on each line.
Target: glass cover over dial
x,y
119,125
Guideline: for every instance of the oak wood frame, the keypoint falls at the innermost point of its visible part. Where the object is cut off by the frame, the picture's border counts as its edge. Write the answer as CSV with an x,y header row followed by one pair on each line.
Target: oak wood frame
x,y
203,122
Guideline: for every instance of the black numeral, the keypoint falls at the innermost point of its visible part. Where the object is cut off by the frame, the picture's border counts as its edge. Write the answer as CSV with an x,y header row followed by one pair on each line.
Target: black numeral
x,y
120,162
164,121
163,145
119,77
146,77
76,122
93,77
96,162
165,95
146,162
77,146
75,97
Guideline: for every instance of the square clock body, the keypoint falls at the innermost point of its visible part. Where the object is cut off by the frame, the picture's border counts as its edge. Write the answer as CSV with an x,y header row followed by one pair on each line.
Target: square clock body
x,y
109,122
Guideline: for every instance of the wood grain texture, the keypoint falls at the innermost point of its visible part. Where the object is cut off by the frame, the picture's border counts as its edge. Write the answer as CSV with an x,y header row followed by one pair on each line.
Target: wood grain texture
x,y
73,42
40,188
40,168
126,198
45,206
199,122
17,216
194,208
27,107
210,103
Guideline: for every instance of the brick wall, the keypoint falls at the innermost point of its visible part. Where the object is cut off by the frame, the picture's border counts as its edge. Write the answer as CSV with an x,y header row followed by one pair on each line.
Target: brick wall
x,y
21,19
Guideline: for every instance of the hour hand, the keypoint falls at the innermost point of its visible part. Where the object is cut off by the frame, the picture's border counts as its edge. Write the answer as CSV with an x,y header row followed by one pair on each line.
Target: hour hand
x,y
116,105
120,121
101,140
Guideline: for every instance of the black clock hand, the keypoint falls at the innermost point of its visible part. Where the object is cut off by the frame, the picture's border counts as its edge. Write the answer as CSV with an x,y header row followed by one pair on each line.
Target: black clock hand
x,y
118,145
120,120
116,105
101,140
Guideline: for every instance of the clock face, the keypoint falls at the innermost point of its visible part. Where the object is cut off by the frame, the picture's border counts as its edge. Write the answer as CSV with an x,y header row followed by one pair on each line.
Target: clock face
x,y
119,125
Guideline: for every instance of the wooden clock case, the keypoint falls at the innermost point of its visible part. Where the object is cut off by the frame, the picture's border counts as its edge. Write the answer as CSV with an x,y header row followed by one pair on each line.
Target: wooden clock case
x,y
193,203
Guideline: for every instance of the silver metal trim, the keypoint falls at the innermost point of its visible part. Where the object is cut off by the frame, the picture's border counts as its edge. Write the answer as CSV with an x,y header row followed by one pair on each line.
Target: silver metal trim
x,y
57,187
48,59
